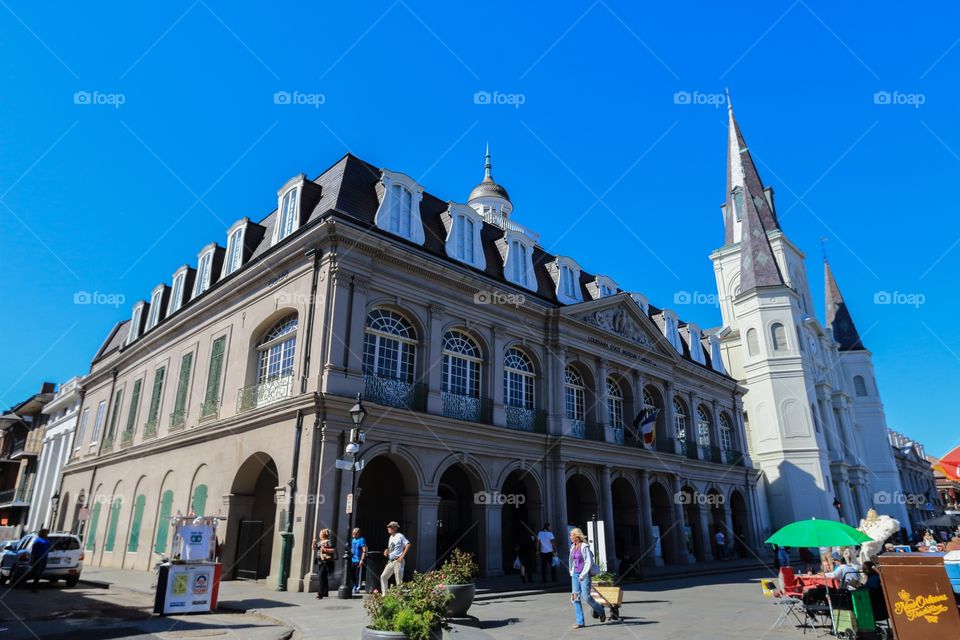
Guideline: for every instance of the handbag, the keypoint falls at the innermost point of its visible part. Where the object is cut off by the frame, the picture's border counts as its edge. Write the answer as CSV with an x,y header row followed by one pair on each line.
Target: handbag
x,y
517,564
555,562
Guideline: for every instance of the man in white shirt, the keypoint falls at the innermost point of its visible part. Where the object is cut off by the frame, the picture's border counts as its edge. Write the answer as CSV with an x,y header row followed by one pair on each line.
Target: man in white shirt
x,y
396,551
845,574
547,546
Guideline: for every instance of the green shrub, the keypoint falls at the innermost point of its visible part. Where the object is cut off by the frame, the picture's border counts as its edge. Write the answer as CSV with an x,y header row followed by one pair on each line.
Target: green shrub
x,y
414,608
460,568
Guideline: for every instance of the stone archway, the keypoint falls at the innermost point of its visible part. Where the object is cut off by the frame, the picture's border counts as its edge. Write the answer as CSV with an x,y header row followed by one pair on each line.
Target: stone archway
x,y
383,494
252,518
583,505
661,512
459,521
626,526
520,516
741,524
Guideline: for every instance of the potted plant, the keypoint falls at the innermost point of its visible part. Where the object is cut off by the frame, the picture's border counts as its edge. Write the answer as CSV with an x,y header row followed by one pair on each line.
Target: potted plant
x,y
458,574
413,610
605,579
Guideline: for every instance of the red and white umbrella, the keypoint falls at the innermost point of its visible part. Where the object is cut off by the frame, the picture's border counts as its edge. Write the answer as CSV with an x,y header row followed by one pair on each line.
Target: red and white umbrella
x,y
950,464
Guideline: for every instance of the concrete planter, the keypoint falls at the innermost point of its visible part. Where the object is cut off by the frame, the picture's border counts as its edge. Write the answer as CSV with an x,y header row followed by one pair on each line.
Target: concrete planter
x,y
463,595
371,634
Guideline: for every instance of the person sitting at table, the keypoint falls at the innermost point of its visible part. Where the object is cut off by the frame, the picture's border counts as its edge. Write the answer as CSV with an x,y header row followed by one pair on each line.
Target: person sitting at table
x,y
845,574
873,584
929,543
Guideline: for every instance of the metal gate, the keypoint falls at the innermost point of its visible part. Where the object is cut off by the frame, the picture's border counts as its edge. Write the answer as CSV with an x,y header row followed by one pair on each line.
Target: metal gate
x,y
249,544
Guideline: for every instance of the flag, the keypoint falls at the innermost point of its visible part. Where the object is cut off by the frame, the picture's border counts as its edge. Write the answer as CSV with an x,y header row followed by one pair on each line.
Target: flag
x,y
644,426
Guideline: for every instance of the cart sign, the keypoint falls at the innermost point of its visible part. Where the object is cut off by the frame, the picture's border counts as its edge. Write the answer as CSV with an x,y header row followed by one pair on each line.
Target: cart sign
x,y
919,596
187,588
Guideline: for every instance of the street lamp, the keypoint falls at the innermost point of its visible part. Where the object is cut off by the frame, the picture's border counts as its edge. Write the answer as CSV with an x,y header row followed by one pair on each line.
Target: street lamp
x,y
357,437
54,504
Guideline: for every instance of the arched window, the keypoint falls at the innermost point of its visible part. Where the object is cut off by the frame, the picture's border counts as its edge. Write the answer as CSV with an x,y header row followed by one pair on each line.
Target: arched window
x,y
778,337
703,427
753,344
859,386
276,350
574,393
287,221
726,433
614,404
389,346
401,210
518,378
648,401
679,420
461,365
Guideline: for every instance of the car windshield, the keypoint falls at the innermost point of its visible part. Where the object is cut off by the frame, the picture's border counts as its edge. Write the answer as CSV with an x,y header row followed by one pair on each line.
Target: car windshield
x,y
63,543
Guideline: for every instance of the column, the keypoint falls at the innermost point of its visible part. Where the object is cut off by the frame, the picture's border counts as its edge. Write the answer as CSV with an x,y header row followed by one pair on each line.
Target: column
x,y
646,522
729,533
679,538
558,519
336,379
495,367
326,503
424,538
603,411
693,423
848,507
754,530
832,429
491,564
358,319
606,506
706,549
556,362
432,362
669,416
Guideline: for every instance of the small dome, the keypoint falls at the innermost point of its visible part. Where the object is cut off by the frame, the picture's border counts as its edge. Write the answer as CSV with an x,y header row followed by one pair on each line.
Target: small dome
x,y
488,188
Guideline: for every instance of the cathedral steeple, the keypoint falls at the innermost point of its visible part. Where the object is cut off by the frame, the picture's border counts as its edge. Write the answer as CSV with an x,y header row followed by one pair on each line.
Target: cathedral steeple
x,y
839,320
743,183
488,195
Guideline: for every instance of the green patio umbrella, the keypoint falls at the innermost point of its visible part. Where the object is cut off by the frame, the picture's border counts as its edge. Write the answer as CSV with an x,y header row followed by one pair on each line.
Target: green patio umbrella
x,y
818,533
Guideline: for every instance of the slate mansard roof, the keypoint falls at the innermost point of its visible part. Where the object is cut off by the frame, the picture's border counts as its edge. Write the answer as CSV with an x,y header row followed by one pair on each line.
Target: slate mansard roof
x,y
348,191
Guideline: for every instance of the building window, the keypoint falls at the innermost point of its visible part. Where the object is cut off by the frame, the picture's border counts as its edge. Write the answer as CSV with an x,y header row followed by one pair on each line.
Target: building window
x,y
614,404
156,299
134,331
389,346
518,379
401,210
98,422
115,415
234,251
203,273
859,386
176,295
211,398
517,256
574,393
461,365
132,414
753,344
155,398
179,415
738,204
464,230
287,219
679,420
778,336
726,433
703,427
84,417
566,277
276,350
567,284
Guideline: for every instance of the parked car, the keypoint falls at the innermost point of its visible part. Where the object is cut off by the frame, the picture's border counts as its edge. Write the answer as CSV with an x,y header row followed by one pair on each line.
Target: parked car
x,y
64,560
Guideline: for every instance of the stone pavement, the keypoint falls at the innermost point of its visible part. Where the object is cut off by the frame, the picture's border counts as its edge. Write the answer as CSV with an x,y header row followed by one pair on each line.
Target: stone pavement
x,y
722,607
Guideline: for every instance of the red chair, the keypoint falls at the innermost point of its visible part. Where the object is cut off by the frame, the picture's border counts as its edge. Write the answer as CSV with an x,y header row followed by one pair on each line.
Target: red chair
x,y
788,580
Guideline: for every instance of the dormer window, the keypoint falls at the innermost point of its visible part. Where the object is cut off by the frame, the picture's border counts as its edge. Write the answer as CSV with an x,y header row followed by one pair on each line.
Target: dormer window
x,y
134,332
671,330
602,287
287,218
517,251
204,267
696,346
234,248
176,295
463,235
156,300
399,211
566,275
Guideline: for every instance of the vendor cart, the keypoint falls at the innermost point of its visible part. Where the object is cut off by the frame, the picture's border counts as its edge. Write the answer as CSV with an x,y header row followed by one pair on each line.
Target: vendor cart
x,y
608,596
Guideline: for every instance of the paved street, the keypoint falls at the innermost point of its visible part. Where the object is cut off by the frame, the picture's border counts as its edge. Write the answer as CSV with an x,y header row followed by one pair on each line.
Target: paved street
x,y
720,607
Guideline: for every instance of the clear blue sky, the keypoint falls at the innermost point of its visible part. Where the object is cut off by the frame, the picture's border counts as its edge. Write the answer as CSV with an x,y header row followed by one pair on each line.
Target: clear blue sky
x,y
113,197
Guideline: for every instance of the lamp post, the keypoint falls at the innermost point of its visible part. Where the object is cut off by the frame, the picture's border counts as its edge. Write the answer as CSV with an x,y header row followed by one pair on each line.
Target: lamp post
x,y
357,437
54,505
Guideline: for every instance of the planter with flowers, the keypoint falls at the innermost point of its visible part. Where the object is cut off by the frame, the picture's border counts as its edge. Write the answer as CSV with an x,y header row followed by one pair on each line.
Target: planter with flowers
x,y
457,576
413,610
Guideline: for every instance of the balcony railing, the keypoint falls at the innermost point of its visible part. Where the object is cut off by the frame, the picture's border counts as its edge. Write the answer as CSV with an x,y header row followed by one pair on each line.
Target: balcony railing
x,y
734,457
583,430
395,393
210,409
618,435
666,445
692,450
473,409
150,429
265,393
178,419
523,419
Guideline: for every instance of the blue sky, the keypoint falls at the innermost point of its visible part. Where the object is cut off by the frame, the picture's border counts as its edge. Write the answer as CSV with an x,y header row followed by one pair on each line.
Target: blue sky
x,y
131,136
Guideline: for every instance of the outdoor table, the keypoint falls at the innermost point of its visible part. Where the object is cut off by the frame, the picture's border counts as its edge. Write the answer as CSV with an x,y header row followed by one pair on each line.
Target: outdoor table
x,y
919,596
811,581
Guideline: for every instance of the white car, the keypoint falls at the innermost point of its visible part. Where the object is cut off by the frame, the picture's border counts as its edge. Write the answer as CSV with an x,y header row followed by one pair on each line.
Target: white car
x,y
64,559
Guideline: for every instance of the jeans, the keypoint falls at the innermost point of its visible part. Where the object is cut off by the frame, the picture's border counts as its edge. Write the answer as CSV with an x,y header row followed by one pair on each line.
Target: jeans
x,y
581,588
323,587
394,568
546,563
357,575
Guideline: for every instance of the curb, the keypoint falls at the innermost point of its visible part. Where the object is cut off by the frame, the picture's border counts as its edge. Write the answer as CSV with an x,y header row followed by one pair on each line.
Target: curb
x,y
291,628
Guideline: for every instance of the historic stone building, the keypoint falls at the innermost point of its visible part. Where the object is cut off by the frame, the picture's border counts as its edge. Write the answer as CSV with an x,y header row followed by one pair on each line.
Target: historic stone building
x,y
921,497
814,420
501,384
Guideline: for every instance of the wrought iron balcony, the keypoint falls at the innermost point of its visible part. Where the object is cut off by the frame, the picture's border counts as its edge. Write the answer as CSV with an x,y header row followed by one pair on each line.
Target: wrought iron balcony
x,y
734,457
395,393
210,409
523,419
150,429
618,435
265,393
666,445
692,450
583,430
473,409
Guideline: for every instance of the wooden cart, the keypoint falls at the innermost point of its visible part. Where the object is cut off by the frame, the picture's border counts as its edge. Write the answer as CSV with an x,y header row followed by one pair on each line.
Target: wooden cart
x,y
609,596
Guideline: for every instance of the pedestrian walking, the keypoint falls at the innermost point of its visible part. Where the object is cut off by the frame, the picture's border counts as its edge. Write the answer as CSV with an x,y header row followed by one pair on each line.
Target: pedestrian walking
x,y
523,562
582,568
326,555
721,541
358,549
547,545
397,548
38,557
783,557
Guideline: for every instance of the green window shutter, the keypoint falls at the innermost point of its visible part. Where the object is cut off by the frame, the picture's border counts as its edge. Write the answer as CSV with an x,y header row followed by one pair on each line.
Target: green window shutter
x,y
155,396
117,401
134,401
92,531
185,366
216,364
163,522
200,500
112,525
138,506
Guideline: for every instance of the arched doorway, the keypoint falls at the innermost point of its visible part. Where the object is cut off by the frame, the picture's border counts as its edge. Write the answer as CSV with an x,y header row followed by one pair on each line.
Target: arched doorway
x,y
691,523
457,522
626,526
253,516
717,521
582,503
520,520
661,511
380,499
738,513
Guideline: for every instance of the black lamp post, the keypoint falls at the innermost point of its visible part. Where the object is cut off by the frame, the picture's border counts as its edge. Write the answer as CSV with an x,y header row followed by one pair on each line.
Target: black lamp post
x,y
54,505
357,437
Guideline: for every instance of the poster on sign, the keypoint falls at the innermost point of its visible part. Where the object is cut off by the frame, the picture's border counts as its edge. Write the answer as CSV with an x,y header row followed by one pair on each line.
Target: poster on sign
x,y
188,588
